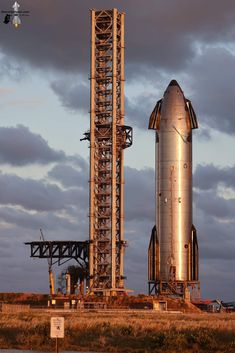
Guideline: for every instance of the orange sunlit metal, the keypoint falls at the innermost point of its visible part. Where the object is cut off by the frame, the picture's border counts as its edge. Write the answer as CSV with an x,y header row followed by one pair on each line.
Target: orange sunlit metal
x,y
177,258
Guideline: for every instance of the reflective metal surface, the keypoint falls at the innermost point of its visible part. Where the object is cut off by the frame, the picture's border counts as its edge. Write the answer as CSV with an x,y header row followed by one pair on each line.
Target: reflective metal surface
x,y
174,118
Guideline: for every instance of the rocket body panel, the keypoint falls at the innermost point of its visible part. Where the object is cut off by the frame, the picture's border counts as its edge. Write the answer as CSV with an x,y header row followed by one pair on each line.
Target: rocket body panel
x,y
173,184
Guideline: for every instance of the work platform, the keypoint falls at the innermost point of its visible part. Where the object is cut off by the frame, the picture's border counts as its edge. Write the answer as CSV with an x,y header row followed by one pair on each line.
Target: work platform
x,y
61,251
188,290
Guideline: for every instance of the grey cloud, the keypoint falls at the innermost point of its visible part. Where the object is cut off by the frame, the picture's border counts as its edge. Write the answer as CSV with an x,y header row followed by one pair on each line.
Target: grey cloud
x,y
208,177
46,220
216,278
161,33
214,205
5,253
69,176
212,80
139,109
12,68
15,268
203,134
215,231
214,252
214,220
77,161
216,237
73,95
162,38
137,232
19,146
36,195
170,34
139,194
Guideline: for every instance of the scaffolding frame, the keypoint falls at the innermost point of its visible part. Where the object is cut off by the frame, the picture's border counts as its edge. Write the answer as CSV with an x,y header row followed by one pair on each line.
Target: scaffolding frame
x,y
60,252
175,289
108,138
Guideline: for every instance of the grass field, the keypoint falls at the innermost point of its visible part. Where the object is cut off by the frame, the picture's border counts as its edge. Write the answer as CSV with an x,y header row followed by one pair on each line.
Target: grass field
x,y
121,331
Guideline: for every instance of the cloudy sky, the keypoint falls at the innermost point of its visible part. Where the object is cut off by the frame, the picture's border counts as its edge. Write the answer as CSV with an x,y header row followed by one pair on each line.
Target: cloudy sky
x,y
44,104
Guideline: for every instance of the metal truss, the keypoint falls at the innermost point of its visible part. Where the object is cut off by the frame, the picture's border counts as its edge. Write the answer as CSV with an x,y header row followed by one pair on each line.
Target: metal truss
x,y
61,251
175,288
108,138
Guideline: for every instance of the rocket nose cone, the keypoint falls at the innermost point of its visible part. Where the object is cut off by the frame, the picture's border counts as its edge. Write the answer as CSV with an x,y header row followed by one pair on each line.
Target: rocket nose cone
x,y
175,83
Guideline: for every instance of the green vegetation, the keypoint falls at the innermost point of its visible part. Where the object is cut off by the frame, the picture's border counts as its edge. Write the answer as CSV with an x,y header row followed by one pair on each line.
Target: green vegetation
x,y
127,331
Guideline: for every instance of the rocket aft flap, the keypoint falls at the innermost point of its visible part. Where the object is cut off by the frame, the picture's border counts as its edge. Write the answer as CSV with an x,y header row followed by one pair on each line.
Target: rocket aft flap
x,y
154,258
173,248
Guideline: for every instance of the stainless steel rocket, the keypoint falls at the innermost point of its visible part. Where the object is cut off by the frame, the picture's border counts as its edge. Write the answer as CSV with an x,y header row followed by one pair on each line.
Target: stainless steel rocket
x,y
173,248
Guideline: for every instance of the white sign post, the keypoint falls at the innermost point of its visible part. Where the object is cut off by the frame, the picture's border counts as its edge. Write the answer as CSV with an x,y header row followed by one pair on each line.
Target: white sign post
x,y
57,329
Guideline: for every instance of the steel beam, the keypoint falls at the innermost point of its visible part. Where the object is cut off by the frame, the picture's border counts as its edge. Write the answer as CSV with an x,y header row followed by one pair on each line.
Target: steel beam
x,y
59,251
108,139
92,151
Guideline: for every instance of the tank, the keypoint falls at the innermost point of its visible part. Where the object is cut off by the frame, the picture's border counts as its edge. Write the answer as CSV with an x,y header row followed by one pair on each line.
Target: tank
x,y
173,249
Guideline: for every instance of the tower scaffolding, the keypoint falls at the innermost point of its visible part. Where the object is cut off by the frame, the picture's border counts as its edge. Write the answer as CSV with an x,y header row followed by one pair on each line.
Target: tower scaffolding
x,y
108,138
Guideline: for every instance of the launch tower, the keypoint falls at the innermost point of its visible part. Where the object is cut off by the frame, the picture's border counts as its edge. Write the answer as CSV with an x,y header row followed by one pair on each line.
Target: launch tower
x,y
108,138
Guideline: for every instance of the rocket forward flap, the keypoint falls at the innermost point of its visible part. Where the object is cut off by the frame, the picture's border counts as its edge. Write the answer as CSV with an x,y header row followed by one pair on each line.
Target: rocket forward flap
x,y
154,120
192,114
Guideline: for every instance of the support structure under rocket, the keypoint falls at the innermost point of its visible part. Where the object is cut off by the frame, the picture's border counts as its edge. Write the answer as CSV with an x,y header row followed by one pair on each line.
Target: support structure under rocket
x,y
173,248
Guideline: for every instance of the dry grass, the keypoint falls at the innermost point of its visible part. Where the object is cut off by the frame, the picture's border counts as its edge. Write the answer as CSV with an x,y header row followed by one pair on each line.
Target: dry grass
x,y
127,331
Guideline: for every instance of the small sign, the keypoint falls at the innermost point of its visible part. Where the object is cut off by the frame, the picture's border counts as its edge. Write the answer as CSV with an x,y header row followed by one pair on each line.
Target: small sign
x,y
57,327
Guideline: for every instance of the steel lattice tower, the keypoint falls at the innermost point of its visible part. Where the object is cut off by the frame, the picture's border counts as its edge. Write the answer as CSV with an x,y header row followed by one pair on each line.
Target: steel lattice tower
x,y
108,138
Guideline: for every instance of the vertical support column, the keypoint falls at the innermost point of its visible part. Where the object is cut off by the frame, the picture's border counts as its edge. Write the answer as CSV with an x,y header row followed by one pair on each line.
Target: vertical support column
x,y
108,139
114,151
92,150
122,112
